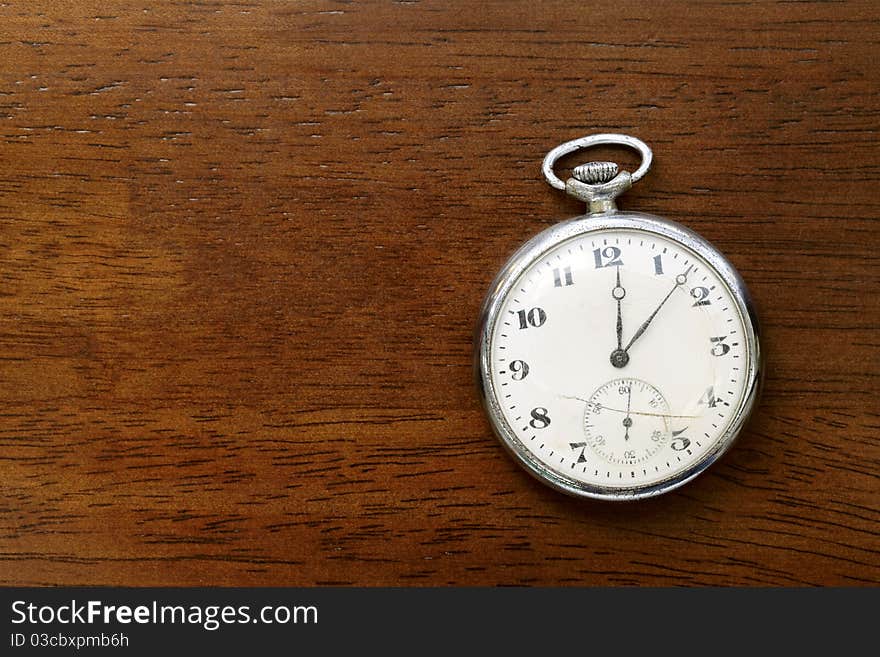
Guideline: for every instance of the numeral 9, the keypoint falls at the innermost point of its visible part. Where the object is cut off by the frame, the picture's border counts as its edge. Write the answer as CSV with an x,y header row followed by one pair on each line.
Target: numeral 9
x,y
519,369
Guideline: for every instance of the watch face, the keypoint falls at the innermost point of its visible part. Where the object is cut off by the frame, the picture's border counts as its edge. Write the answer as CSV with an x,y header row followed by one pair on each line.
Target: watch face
x,y
618,362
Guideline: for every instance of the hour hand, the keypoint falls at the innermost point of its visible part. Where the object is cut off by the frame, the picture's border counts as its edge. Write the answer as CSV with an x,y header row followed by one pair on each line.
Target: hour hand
x,y
619,357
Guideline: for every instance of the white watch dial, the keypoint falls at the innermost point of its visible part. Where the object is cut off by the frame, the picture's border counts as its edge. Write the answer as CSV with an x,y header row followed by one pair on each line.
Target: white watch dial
x,y
619,359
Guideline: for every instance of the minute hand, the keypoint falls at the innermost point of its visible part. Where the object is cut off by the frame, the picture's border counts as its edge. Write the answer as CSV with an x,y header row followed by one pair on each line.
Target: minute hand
x,y
680,280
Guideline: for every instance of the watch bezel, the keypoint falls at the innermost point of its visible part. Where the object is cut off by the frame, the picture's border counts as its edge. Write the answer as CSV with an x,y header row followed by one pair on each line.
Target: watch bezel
x,y
535,249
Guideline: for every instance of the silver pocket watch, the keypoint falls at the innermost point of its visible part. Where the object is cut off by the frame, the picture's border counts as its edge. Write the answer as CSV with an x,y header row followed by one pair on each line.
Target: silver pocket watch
x,y
618,352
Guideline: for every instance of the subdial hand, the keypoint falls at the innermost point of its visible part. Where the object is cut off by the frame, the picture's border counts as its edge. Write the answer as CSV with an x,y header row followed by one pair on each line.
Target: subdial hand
x,y
627,421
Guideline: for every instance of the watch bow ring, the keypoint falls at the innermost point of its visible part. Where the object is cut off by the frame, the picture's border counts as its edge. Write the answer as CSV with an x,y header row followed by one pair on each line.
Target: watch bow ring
x,y
618,353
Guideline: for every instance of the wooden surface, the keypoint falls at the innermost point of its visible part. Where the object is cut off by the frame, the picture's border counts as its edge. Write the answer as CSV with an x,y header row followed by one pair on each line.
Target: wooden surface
x,y
243,248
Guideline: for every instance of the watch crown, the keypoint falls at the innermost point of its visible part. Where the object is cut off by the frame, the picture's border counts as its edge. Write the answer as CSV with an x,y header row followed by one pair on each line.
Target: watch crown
x,y
592,173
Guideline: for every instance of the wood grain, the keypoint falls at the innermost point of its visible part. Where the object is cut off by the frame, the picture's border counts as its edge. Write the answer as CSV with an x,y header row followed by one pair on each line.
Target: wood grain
x,y
243,247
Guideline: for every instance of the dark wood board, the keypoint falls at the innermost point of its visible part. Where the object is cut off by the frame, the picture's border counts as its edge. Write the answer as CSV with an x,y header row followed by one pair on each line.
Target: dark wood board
x,y
243,247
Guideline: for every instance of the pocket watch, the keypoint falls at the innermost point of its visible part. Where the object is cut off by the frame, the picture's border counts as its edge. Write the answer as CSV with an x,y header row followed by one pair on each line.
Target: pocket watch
x,y
618,352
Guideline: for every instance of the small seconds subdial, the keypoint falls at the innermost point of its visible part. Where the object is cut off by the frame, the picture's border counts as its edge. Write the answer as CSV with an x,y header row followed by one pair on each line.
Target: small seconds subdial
x,y
626,421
